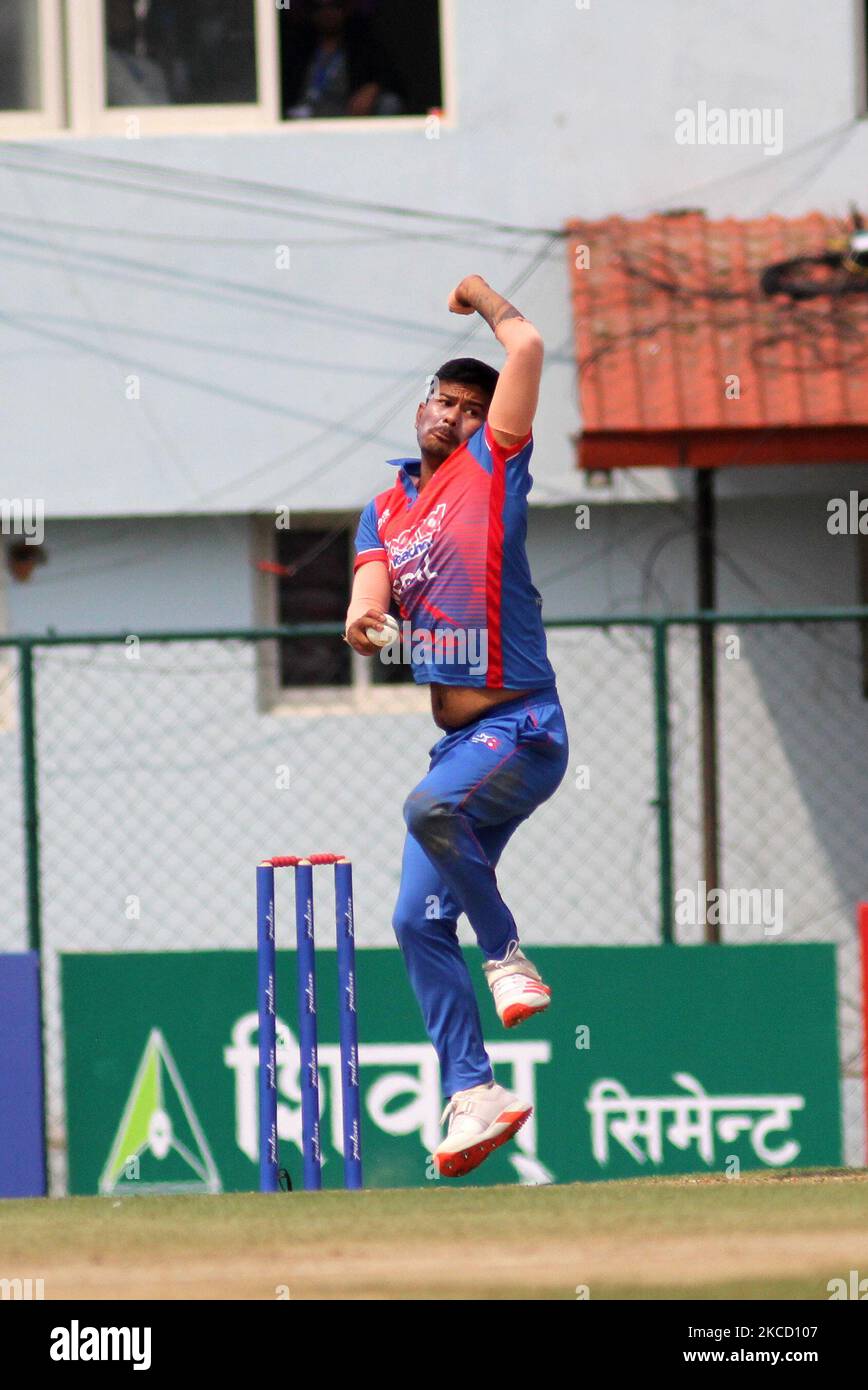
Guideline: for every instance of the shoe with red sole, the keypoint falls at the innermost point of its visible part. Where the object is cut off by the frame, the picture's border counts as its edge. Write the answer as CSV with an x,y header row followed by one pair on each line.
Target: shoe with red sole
x,y
516,986
480,1120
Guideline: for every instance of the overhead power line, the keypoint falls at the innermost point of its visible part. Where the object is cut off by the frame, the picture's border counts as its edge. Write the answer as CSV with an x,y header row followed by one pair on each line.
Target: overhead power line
x,y
196,180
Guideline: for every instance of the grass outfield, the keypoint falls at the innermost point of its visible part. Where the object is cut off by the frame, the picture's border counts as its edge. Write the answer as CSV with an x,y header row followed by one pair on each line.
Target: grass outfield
x,y
768,1235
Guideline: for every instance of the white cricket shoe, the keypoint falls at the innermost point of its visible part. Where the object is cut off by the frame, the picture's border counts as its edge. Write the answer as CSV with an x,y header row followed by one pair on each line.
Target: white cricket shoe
x,y
480,1120
517,987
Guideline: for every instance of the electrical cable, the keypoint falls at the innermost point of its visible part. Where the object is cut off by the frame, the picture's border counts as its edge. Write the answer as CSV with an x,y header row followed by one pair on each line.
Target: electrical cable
x,y
307,196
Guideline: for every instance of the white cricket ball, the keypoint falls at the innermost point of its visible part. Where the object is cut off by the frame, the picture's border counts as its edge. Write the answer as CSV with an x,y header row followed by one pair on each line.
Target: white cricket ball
x,y
387,636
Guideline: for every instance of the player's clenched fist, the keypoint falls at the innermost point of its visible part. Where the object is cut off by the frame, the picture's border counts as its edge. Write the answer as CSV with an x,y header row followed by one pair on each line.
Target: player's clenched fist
x,y
460,300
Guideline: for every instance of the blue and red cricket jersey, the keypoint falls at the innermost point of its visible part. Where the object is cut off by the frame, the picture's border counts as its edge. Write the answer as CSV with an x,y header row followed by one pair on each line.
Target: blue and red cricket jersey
x,y
457,560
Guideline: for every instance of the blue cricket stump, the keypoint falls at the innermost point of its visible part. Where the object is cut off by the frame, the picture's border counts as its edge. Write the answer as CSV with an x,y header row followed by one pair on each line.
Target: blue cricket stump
x,y
306,967
350,1091
268,1164
309,1052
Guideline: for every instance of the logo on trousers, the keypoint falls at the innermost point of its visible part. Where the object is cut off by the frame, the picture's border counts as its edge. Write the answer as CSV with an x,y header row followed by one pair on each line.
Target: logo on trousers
x,y
488,739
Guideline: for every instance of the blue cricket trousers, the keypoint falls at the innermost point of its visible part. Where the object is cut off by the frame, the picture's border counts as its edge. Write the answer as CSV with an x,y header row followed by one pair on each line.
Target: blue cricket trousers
x,y
484,780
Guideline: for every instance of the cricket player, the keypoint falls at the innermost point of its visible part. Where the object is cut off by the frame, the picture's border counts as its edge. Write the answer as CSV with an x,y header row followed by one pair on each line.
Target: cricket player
x,y
446,541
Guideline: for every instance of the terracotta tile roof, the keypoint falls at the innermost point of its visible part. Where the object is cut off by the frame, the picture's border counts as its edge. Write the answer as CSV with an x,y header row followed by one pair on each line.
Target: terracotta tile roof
x,y
670,307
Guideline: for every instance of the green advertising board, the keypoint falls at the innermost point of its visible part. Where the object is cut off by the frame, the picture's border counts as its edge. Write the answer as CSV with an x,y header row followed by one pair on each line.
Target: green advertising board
x,y
650,1060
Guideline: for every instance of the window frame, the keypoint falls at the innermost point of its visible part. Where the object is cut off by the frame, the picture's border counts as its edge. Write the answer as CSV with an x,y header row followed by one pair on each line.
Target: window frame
x,y
51,115
861,28
72,70
90,115
362,695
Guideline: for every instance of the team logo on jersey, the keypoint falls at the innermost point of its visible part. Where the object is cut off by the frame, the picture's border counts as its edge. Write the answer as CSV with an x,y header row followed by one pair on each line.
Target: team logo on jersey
x,y
488,739
415,541
404,581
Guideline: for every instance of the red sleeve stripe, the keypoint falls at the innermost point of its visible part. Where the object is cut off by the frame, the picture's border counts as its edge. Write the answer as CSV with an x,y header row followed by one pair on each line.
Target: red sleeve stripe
x,y
499,451
365,556
494,570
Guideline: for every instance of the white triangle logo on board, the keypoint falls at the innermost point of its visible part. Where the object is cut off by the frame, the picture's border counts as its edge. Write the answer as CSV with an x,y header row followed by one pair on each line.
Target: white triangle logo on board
x,y
159,1145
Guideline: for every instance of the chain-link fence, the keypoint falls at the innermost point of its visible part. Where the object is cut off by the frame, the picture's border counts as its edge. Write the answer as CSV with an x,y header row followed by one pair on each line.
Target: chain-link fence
x,y
143,778
792,713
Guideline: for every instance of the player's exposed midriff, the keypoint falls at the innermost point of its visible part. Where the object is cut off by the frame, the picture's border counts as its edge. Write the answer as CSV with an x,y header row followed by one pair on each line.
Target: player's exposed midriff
x,y
455,705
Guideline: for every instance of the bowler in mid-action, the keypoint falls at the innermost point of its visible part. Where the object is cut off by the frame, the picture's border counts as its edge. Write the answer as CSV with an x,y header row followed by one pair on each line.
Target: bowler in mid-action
x,y
446,542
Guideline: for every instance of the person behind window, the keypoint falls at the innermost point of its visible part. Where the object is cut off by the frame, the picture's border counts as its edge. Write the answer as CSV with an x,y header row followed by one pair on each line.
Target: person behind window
x,y
333,66
131,80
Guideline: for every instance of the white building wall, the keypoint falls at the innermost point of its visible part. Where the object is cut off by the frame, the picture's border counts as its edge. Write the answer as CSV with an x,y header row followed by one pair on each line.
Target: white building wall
x,y
258,385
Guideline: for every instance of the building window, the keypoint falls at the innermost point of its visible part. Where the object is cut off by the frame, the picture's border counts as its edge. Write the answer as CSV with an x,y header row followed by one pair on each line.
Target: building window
x,y
146,67
31,69
862,50
315,564
161,53
20,78
346,58
317,593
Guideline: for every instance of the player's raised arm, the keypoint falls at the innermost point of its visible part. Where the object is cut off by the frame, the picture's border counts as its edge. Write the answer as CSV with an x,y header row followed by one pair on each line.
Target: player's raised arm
x,y
513,406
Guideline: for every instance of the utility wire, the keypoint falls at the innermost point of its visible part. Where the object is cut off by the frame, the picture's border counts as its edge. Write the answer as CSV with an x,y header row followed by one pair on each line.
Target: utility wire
x,y
196,285
299,195
314,198
263,209
414,378
196,239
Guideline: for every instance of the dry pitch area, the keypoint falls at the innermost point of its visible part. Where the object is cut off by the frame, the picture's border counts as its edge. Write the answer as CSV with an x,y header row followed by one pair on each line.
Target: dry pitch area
x,y
760,1236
